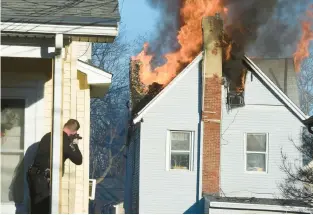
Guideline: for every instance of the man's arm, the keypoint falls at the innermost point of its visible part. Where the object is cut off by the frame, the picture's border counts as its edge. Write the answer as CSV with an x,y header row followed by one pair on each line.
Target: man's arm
x,y
72,152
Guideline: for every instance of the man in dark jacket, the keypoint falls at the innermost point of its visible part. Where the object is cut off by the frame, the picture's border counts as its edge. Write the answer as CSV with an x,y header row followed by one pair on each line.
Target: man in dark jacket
x,y
39,173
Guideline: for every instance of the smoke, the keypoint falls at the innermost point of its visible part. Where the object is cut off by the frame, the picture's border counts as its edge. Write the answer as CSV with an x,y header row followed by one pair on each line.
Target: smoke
x,y
259,27
278,37
166,39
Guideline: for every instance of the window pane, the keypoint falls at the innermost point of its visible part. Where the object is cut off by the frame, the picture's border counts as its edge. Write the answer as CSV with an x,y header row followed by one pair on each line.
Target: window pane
x,y
180,161
12,124
180,141
256,162
12,150
256,142
12,184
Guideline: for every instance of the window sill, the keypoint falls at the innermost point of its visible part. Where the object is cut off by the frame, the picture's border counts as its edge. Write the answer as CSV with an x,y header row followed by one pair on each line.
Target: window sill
x,y
256,172
180,170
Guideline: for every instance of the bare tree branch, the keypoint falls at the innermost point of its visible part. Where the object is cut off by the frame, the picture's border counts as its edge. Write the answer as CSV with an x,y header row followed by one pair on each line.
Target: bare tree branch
x,y
305,85
298,184
109,115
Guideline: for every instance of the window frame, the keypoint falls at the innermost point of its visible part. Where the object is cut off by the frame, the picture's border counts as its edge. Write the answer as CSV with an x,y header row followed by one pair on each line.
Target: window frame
x,y
256,152
169,151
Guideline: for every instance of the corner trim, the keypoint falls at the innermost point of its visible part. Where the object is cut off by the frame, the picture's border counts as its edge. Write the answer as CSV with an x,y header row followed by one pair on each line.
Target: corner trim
x,y
94,75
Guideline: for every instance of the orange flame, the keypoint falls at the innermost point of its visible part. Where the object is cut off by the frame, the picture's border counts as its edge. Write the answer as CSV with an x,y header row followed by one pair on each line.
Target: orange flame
x,y
189,37
302,51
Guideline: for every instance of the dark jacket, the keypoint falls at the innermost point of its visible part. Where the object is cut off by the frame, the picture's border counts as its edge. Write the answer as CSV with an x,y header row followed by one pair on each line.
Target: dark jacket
x,y
70,151
38,184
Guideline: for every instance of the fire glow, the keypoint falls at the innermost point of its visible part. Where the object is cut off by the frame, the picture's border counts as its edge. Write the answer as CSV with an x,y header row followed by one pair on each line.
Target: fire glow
x,y
189,38
240,33
302,51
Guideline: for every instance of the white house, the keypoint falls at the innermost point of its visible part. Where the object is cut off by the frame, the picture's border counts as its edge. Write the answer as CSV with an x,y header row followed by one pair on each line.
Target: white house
x,y
196,138
45,80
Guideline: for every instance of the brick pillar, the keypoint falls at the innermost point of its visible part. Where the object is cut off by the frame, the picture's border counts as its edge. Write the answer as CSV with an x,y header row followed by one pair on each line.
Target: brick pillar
x,y
211,109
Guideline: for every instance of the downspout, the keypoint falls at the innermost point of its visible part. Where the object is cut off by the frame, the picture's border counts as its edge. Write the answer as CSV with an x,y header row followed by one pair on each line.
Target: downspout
x,y
199,201
57,140
200,127
128,182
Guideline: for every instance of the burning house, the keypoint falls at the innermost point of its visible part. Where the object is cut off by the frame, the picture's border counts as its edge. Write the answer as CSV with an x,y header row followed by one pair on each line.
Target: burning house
x,y
207,125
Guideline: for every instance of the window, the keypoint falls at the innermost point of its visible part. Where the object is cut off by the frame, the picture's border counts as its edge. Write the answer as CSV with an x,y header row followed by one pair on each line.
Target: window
x,y
256,152
12,147
181,148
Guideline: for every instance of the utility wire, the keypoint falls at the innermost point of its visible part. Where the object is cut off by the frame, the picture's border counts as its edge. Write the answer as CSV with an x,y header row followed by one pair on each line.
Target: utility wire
x,y
45,12
53,9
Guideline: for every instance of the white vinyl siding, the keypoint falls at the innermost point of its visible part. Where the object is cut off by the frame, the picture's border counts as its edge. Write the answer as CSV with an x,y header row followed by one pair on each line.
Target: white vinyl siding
x,y
262,113
176,110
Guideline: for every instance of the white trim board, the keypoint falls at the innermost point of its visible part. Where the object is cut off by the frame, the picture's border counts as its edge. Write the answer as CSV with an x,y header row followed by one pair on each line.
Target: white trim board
x,y
94,75
27,51
167,88
59,29
98,79
244,206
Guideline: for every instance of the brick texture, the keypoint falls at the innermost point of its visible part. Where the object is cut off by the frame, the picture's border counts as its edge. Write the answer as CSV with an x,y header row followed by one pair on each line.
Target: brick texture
x,y
211,138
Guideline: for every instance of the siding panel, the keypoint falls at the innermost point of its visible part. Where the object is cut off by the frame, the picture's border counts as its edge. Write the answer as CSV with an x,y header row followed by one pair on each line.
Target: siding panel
x,y
259,115
163,191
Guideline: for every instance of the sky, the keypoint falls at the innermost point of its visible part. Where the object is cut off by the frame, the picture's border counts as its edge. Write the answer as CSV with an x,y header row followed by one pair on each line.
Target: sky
x,y
137,18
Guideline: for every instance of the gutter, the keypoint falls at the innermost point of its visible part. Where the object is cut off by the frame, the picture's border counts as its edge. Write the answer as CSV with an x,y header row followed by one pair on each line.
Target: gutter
x,y
57,134
72,30
229,206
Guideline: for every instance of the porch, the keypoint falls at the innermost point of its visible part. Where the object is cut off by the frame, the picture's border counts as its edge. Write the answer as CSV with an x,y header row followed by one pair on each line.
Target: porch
x,y
40,92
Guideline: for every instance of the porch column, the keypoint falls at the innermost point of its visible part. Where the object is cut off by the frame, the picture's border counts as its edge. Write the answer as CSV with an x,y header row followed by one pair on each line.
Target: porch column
x,y
57,129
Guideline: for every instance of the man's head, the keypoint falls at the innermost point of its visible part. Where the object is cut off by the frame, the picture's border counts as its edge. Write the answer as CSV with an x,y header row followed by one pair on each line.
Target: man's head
x,y
71,127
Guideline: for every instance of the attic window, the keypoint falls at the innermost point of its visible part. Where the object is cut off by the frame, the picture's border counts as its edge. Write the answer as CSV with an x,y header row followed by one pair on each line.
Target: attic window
x,y
235,99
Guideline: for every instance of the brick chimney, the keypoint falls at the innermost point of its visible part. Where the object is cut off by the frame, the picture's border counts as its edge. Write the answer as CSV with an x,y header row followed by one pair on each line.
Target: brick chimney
x,y
211,107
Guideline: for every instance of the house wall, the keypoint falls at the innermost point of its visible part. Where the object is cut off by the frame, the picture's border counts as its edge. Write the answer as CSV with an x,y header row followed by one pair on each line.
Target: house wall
x,y
21,73
160,190
37,73
262,113
282,73
76,104
132,172
30,74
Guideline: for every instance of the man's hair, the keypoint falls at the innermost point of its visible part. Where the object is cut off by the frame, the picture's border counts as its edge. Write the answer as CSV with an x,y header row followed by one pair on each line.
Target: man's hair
x,y
72,124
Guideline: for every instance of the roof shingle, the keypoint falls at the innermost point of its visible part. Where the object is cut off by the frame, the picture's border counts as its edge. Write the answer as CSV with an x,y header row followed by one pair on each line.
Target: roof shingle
x,y
66,12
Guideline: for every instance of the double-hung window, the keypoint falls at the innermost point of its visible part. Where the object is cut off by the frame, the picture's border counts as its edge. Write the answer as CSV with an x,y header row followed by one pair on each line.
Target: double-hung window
x,y
256,152
180,150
